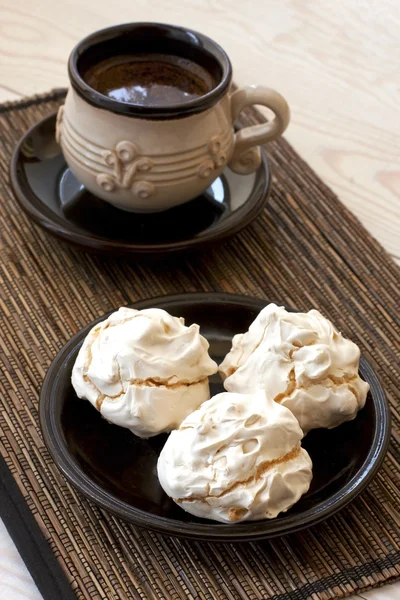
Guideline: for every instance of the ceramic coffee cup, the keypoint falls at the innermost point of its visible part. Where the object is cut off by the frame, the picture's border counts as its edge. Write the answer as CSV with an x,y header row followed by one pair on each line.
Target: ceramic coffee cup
x,y
148,158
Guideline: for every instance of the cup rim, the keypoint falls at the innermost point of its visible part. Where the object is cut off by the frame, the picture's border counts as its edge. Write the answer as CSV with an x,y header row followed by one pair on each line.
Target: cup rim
x,y
177,110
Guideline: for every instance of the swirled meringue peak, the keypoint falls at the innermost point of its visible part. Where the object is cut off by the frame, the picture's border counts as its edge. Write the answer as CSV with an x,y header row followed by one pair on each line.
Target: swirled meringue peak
x,y
144,370
237,458
303,362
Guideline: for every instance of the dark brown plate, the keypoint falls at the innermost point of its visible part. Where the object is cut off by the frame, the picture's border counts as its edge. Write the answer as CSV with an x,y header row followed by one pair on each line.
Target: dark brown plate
x,y
50,194
118,470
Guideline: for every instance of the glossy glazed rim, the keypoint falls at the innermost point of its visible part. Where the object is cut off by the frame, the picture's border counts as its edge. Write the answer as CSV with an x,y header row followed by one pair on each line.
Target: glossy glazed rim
x,y
246,531
48,220
161,31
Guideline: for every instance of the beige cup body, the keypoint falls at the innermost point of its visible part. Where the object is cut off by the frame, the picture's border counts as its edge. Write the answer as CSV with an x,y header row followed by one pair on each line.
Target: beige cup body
x,y
141,164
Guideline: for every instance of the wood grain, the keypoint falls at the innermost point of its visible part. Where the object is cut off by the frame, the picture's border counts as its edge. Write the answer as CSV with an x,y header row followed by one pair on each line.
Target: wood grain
x,y
336,62
15,581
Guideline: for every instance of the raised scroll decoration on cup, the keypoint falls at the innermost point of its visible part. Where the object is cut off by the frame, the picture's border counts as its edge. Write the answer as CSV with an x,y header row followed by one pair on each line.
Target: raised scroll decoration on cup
x,y
126,163
205,168
143,189
214,148
217,157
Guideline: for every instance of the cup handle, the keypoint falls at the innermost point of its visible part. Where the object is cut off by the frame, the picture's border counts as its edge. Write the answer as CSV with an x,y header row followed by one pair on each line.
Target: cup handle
x,y
246,156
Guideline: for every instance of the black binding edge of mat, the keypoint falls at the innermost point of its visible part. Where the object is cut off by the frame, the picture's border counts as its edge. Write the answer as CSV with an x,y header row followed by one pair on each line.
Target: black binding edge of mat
x,y
29,540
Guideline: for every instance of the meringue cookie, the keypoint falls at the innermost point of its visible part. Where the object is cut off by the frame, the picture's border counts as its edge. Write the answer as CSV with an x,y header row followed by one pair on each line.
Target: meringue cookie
x,y
237,458
144,370
303,362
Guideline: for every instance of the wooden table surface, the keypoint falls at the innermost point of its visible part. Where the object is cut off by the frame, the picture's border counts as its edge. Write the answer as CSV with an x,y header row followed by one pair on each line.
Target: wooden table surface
x,y
337,63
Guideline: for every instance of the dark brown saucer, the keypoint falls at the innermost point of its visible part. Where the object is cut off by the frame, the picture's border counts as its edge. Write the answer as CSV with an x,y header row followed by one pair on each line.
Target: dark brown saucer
x,y
117,470
50,194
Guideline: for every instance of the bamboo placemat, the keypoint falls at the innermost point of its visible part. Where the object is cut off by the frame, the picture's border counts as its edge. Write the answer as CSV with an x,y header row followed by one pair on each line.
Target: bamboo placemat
x,y
306,250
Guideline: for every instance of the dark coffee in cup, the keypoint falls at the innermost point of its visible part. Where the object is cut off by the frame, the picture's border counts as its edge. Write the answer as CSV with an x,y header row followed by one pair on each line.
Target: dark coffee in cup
x,y
150,79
